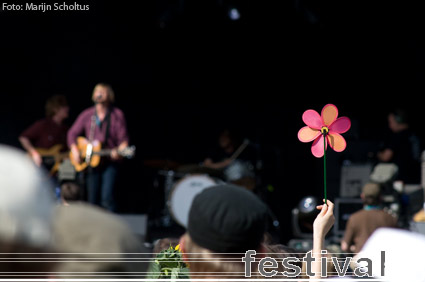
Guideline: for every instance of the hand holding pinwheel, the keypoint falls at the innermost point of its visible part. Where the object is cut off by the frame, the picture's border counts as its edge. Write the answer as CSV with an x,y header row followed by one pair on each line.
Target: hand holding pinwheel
x,y
324,129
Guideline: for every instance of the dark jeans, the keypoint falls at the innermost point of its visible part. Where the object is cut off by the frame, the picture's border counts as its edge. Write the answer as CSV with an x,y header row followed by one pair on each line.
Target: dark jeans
x,y
100,186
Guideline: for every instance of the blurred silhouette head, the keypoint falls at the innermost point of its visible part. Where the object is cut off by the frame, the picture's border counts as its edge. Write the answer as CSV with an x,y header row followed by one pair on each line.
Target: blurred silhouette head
x,y
57,105
26,207
228,140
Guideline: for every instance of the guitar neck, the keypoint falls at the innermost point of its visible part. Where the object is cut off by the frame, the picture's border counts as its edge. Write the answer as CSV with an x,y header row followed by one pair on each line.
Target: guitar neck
x,y
53,155
58,155
103,152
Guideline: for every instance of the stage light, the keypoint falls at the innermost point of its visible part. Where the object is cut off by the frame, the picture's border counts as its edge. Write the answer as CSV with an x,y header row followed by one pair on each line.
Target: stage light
x,y
234,14
307,205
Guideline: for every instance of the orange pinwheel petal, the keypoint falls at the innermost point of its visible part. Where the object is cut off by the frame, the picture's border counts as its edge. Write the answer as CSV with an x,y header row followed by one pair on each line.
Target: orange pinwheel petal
x,y
336,141
329,114
307,134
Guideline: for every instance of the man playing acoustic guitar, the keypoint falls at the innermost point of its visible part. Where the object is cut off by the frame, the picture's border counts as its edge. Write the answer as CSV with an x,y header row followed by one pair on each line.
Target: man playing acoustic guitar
x,y
103,125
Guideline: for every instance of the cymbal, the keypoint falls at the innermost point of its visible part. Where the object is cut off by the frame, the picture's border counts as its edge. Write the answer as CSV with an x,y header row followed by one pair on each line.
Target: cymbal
x,y
161,164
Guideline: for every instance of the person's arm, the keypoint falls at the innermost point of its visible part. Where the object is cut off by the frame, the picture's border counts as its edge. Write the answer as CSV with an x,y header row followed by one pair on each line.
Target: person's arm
x,y
218,165
33,132
76,130
122,135
344,246
75,153
389,147
348,237
26,143
321,226
115,155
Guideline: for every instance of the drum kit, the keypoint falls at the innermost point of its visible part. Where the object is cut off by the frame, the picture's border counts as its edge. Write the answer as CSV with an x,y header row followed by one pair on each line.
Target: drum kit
x,y
183,182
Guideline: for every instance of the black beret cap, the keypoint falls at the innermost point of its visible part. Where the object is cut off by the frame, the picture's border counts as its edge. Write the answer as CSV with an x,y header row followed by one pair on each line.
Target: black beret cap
x,y
227,219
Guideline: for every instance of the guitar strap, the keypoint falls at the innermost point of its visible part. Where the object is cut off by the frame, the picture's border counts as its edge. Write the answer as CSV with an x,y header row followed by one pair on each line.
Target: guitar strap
x,y
107,120
92,127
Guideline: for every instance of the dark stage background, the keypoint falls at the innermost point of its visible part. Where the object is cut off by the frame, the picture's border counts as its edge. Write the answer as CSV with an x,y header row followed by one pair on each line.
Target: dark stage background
x,y
182,70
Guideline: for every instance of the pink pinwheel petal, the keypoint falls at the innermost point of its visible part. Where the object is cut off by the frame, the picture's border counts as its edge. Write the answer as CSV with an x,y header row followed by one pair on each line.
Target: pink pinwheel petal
x,y
329,114
341,125
317,148
307,134
312,119
337,142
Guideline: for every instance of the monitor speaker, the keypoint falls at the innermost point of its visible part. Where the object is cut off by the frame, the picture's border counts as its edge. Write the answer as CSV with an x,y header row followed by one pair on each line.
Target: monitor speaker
x,y
353,177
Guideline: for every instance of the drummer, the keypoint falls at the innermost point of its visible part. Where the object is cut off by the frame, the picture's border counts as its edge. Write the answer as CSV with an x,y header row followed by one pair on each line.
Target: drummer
x,y
235,157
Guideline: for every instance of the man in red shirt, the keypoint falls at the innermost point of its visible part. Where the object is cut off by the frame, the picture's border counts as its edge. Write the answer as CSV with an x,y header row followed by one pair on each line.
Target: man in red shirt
x,y
106,124
49,131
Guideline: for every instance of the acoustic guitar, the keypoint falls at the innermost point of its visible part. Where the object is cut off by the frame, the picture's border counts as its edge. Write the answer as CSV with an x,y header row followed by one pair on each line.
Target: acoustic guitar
x,y
91,153
52,157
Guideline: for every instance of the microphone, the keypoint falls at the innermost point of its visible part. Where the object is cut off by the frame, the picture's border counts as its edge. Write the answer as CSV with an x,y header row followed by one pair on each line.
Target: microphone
x,y
98,99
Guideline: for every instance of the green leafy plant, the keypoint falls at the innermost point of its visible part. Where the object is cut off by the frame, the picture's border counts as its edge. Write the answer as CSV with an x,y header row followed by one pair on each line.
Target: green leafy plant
x,y
168,264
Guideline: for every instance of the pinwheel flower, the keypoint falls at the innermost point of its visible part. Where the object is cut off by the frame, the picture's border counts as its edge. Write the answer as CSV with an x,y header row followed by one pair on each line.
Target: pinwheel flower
x,y
326,126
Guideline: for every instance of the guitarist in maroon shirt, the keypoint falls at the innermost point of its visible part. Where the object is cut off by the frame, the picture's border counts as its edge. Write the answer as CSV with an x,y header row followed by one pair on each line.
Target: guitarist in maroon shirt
x,y
49,133
106,124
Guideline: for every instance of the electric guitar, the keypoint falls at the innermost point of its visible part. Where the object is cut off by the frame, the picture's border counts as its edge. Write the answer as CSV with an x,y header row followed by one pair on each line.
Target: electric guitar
x,y
52,157
91,153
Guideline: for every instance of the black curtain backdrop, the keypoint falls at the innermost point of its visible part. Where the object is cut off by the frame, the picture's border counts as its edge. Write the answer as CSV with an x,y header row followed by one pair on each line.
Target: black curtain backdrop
x,y
183,70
